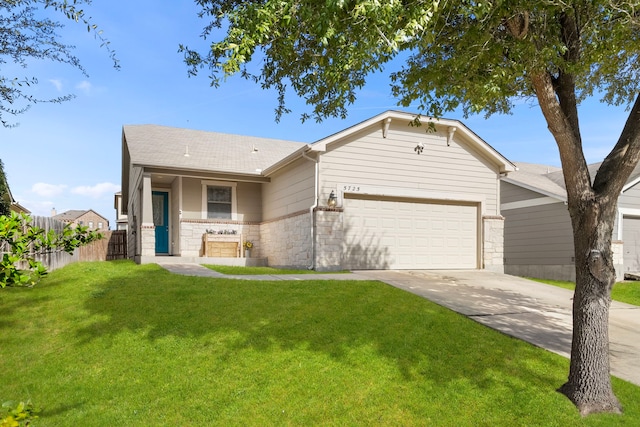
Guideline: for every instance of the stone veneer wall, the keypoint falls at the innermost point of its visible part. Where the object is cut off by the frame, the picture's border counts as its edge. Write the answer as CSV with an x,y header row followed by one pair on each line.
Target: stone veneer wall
x,y
287,240
329,239
191,232
148,240
617,247
493,243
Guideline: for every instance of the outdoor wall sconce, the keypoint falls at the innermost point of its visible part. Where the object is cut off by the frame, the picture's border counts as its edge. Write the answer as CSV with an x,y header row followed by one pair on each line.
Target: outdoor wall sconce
x,y
419,148
333,200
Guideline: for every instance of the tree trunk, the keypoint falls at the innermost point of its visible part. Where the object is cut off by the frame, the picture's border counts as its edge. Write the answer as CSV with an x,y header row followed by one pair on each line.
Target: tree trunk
x,y
592,210
589,382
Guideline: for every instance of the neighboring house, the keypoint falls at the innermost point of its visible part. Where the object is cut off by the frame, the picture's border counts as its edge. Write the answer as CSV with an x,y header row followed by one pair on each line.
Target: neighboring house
x,y
538,238
14,206
88,218
379,195
121,217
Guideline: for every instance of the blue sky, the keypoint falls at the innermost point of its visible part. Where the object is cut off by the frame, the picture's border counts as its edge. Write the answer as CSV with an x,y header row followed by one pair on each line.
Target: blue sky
x,y
68,156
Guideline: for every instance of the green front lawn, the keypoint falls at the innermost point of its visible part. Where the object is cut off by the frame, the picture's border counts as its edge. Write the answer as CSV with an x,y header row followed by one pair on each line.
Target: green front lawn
x,y
628,291
116,344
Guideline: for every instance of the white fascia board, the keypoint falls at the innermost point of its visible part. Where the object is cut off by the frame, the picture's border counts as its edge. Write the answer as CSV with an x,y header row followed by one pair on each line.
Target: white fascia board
x,y
630,184
540,201
290,158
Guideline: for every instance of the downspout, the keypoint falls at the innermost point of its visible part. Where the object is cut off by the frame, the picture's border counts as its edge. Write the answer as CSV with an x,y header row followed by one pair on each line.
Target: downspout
x,y
311,211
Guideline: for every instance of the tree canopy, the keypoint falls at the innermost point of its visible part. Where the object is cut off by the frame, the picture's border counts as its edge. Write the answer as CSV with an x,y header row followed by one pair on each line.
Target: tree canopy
x,y
480,57
476,55
5,197
26,34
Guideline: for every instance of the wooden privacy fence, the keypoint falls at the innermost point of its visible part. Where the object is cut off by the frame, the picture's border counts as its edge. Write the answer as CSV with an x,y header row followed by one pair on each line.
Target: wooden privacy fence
x,y
112,246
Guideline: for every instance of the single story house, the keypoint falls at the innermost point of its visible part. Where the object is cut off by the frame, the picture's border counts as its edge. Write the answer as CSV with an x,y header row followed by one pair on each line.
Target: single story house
x,y
378,195
538,237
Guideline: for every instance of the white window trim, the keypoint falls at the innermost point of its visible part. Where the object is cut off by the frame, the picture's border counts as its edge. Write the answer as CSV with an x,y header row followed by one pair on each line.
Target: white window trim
x,y
234,201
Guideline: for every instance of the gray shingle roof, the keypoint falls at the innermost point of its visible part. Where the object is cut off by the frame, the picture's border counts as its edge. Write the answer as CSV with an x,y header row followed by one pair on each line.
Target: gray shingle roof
x,y
546,179
549,179
70,215
154,145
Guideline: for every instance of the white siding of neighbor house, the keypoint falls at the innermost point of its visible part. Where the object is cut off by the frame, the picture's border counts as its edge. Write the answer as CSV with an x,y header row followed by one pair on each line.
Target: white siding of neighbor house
x,y
441,171
291,190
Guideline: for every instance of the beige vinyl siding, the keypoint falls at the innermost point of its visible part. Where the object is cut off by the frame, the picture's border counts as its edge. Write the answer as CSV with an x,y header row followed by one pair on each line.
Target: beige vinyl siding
x,y
368,159
513,193
538,235
291,190
134,215
191,198
248,196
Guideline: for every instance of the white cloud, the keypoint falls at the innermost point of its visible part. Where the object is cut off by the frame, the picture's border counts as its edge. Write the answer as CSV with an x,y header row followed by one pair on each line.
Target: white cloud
x,y
47,190
57,83
85,87
97,190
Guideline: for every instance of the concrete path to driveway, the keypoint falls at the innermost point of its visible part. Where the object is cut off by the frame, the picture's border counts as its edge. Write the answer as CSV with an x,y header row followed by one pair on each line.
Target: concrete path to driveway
x,y
534,312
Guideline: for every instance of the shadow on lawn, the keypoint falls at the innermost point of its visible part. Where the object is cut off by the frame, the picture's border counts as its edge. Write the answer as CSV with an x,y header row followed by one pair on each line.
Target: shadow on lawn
x,y
321,316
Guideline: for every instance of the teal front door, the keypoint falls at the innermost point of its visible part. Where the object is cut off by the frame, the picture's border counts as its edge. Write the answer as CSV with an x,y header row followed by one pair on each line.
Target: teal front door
x,y
160,201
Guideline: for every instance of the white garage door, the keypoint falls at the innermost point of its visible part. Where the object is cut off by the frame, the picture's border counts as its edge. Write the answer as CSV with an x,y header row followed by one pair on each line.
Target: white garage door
x,y
393,234
631,244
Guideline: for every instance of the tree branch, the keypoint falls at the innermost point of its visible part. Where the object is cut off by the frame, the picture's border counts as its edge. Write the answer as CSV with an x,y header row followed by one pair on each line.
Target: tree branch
x,y
574,166
623,158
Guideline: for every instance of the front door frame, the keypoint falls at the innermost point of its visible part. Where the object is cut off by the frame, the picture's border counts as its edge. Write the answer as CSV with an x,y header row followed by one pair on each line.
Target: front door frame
x,y
161,224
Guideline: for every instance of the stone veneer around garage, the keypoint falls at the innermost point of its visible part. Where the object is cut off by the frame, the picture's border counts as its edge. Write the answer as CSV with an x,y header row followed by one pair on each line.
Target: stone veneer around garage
x,y
493,243
329,239
287,240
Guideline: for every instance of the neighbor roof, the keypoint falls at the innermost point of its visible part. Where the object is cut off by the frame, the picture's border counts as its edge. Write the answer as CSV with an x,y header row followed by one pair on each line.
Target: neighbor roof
x,y
72,215
154,145
549,180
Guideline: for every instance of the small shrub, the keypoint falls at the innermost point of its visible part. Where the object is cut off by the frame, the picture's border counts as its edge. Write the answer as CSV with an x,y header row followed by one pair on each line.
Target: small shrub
x,y
17,415
21,242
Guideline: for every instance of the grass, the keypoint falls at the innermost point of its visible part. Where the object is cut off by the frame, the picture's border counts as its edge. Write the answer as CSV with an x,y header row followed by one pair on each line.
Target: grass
x,y
113,343
627,292
235,270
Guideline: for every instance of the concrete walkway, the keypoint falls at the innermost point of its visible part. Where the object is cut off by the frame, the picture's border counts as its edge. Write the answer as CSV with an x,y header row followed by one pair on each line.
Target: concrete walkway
x,y
528,310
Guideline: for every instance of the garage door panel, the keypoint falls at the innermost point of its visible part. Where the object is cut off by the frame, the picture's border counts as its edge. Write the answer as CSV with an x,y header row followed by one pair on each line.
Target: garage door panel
x,y
409,235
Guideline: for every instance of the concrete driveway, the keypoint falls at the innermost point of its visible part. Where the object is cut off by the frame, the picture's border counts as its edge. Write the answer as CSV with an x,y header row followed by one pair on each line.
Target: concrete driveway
x,y
534,312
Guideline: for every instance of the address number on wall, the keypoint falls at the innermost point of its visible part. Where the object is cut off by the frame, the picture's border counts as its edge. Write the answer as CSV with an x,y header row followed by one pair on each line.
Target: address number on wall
x,y
351,188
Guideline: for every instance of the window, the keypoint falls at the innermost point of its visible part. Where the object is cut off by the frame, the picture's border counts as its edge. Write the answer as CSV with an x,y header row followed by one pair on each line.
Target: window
x,y
90,225
99,226
219,202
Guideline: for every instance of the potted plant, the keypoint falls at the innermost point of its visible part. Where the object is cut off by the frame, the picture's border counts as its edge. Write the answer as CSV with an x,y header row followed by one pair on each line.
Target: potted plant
x,y
247,245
